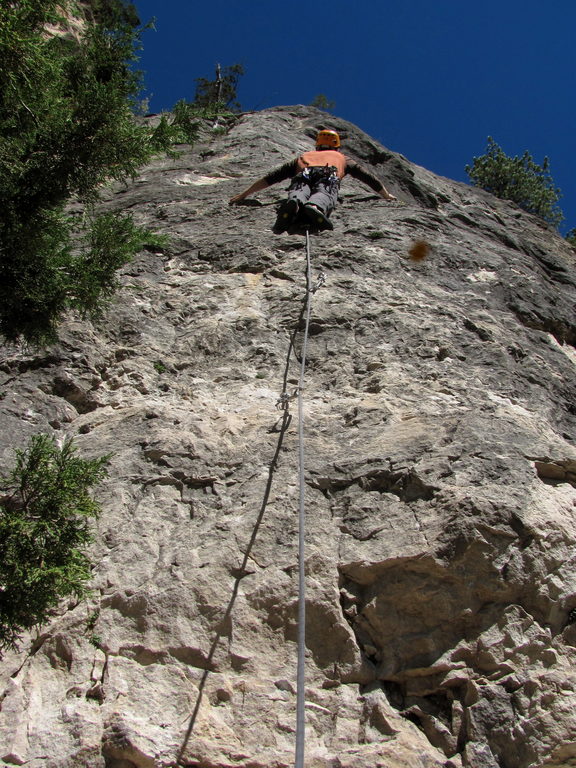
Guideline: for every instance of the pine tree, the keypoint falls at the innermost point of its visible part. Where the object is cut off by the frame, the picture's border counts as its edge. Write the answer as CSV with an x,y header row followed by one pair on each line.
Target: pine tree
x,y
221,93
45,514
518,179
66,127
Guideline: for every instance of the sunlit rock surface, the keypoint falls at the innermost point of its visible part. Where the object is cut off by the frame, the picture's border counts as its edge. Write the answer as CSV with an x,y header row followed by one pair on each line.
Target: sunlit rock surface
x,y
440,426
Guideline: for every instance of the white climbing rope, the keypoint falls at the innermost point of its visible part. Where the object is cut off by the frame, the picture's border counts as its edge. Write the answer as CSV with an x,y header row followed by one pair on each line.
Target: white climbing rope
x,y
300,674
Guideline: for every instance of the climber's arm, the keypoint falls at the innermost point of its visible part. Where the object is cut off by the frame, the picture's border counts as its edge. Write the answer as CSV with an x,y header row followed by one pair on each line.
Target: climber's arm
x,y
386,195
360,173
256,187
285,171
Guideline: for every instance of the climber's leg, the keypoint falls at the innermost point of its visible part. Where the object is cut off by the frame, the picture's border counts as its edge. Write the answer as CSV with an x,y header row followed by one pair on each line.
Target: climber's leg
x,y
324,196
321,203
298,194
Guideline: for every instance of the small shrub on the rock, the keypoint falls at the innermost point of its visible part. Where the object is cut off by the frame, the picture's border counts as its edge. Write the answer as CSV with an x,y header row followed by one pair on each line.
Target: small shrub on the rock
x,y
109,12
219,95
320,101
518,179
45,517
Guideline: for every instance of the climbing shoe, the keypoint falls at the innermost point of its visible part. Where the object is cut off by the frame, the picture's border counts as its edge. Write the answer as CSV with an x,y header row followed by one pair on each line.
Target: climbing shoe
x,y
286,215
315,216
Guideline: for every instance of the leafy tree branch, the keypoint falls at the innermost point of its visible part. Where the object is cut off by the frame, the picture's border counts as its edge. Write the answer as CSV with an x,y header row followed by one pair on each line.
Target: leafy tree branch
x,y
45,518
66,128
519,179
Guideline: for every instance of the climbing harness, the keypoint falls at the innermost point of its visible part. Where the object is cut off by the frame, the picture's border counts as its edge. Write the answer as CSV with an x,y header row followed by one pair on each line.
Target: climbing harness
x,y
327,175
316,173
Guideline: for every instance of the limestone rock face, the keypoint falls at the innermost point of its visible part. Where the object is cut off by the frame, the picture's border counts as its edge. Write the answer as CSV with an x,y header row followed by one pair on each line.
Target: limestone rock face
x,y
440,473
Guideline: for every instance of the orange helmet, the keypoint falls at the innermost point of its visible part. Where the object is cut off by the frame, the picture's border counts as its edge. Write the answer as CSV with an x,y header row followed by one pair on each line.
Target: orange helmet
x,y
327,139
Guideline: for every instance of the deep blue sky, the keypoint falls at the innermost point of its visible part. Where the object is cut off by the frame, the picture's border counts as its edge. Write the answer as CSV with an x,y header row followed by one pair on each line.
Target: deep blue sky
x,y
428,79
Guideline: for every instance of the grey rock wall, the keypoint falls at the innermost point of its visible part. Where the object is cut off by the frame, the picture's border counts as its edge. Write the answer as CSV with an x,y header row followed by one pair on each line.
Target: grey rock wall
x,y
440,426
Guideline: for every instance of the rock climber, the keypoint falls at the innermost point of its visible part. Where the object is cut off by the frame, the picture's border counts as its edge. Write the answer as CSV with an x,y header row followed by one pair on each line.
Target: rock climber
x,y
316,176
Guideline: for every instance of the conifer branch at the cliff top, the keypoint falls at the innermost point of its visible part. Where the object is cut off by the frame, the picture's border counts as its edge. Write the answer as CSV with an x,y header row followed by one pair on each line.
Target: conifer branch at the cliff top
x,y
518,179
67,126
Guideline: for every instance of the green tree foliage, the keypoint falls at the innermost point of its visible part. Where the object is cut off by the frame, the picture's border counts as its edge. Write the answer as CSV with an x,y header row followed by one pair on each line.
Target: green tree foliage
x,y
112,12
518,179
322,102
219,94
571,237
45,514
66,127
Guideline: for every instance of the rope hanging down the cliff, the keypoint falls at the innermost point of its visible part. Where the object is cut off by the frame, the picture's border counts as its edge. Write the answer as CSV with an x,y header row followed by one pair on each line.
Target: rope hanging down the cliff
x,y
284,403
300,676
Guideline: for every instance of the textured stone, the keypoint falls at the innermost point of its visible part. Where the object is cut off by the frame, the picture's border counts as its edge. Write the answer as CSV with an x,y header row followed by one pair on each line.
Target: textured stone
x,y
440,481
